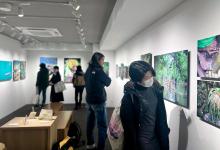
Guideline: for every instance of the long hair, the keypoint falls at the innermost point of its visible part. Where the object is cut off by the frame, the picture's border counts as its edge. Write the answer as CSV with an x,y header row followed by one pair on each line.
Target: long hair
x,y
94,62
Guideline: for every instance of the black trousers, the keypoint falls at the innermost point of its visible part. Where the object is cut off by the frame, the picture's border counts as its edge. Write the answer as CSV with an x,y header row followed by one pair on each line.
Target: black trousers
x,y
78,95
44,90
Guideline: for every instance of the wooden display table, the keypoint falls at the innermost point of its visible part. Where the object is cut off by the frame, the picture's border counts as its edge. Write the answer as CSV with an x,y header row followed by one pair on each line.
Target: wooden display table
x,y
2,146
63,121
56,107
34,135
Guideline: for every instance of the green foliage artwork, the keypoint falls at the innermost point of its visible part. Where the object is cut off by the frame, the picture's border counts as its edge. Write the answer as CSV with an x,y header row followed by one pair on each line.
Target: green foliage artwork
x,y
147,58
208,102
106,68
172,71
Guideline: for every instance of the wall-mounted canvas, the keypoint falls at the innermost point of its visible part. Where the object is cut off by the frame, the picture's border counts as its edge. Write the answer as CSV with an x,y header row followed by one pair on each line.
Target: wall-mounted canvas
x,y
5,70
147,58
23,70
50,62
16,70
172,71
126,70
106,68
121,72
70,65
208,102
209,58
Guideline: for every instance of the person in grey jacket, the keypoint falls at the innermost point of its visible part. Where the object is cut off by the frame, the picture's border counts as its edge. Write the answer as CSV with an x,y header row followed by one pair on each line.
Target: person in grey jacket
x,y
142,111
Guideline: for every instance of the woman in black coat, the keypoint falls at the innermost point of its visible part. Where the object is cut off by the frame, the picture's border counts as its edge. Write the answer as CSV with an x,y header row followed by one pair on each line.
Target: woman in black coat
x,y
143,113
55,97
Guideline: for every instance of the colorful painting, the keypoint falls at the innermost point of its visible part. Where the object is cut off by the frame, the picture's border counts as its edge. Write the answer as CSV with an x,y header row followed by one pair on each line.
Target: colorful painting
x,y
208,102
50,62
209,58
172,71
106,68
70,65
22,70
16,70
147,58
5,70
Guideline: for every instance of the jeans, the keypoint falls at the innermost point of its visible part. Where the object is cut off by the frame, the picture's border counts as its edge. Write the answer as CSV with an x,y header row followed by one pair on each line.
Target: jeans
x,y
97,112
43,94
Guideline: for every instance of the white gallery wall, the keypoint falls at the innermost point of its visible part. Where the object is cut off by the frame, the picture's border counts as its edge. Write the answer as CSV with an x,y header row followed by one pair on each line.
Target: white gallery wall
x,y
12,94
178,30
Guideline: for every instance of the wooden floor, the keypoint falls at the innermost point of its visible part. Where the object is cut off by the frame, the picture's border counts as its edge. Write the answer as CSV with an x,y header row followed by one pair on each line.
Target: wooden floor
x,y
79,116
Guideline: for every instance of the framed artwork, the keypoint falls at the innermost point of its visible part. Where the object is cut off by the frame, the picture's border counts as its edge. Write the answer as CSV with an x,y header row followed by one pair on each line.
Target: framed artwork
x,y
106,68
70,65
172,71
50,62
208,102
147,58
126,68
121,72
22,70
208,58
16,70
6,70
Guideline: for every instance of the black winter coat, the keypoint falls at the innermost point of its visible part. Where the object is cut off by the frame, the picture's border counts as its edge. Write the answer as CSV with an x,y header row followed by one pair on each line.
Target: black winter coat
x,y
55,97
96,80
42,78
130,116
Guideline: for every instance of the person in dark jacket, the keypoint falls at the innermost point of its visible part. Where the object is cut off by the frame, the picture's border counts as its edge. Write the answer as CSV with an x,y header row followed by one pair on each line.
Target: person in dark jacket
x,y
79,84
96,80
142,111
42,82
55,97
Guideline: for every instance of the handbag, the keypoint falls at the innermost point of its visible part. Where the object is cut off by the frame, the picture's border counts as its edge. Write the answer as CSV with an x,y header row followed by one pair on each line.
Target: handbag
x,y
59,87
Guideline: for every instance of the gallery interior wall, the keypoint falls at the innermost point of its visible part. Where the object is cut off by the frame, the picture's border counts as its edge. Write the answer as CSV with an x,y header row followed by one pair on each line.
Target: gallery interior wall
x,y
176,31
12,93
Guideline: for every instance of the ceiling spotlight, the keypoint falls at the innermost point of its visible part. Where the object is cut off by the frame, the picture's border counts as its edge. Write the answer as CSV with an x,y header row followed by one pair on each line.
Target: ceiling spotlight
x,y
20,12
77,7
76,14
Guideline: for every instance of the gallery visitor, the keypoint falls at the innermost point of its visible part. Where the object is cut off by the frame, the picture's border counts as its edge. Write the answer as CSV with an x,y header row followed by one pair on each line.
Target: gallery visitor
x,y
142,111
96,80
42,83
55,97
79,84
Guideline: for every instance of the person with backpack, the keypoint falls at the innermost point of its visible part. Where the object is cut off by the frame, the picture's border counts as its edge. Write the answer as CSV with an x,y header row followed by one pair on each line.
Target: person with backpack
x,y
96,81
79,84
142,112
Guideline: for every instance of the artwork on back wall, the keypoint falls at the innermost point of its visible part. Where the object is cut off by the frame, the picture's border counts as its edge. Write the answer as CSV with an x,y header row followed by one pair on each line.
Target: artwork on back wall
x,y
50,62
70,65
209,58
147,58
6,70
16,70
22,70
208,102
172,71
106,68
122,71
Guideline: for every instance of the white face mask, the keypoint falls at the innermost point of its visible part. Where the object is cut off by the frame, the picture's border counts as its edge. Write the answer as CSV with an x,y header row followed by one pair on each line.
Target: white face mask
x,y
149,82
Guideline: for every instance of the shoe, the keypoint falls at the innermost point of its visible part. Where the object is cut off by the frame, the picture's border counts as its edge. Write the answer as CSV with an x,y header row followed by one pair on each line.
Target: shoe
x,y
36,105
76,108
91,147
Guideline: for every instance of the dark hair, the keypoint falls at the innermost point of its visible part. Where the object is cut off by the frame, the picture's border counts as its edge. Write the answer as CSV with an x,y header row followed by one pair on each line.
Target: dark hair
x,y
79,68
56,67
138,69
94,62
42,65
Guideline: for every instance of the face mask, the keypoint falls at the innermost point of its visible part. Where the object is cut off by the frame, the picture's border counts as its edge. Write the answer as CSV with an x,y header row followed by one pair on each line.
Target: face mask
x,y
149,82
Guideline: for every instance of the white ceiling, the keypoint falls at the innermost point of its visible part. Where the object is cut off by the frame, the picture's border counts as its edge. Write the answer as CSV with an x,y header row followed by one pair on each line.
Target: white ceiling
x,y
54,14
129,17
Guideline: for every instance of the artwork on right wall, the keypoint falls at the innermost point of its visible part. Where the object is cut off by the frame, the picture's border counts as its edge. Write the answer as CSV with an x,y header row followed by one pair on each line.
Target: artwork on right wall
x,y
208,66
106,68
6,70
208,102
172,71
147,58
16,70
